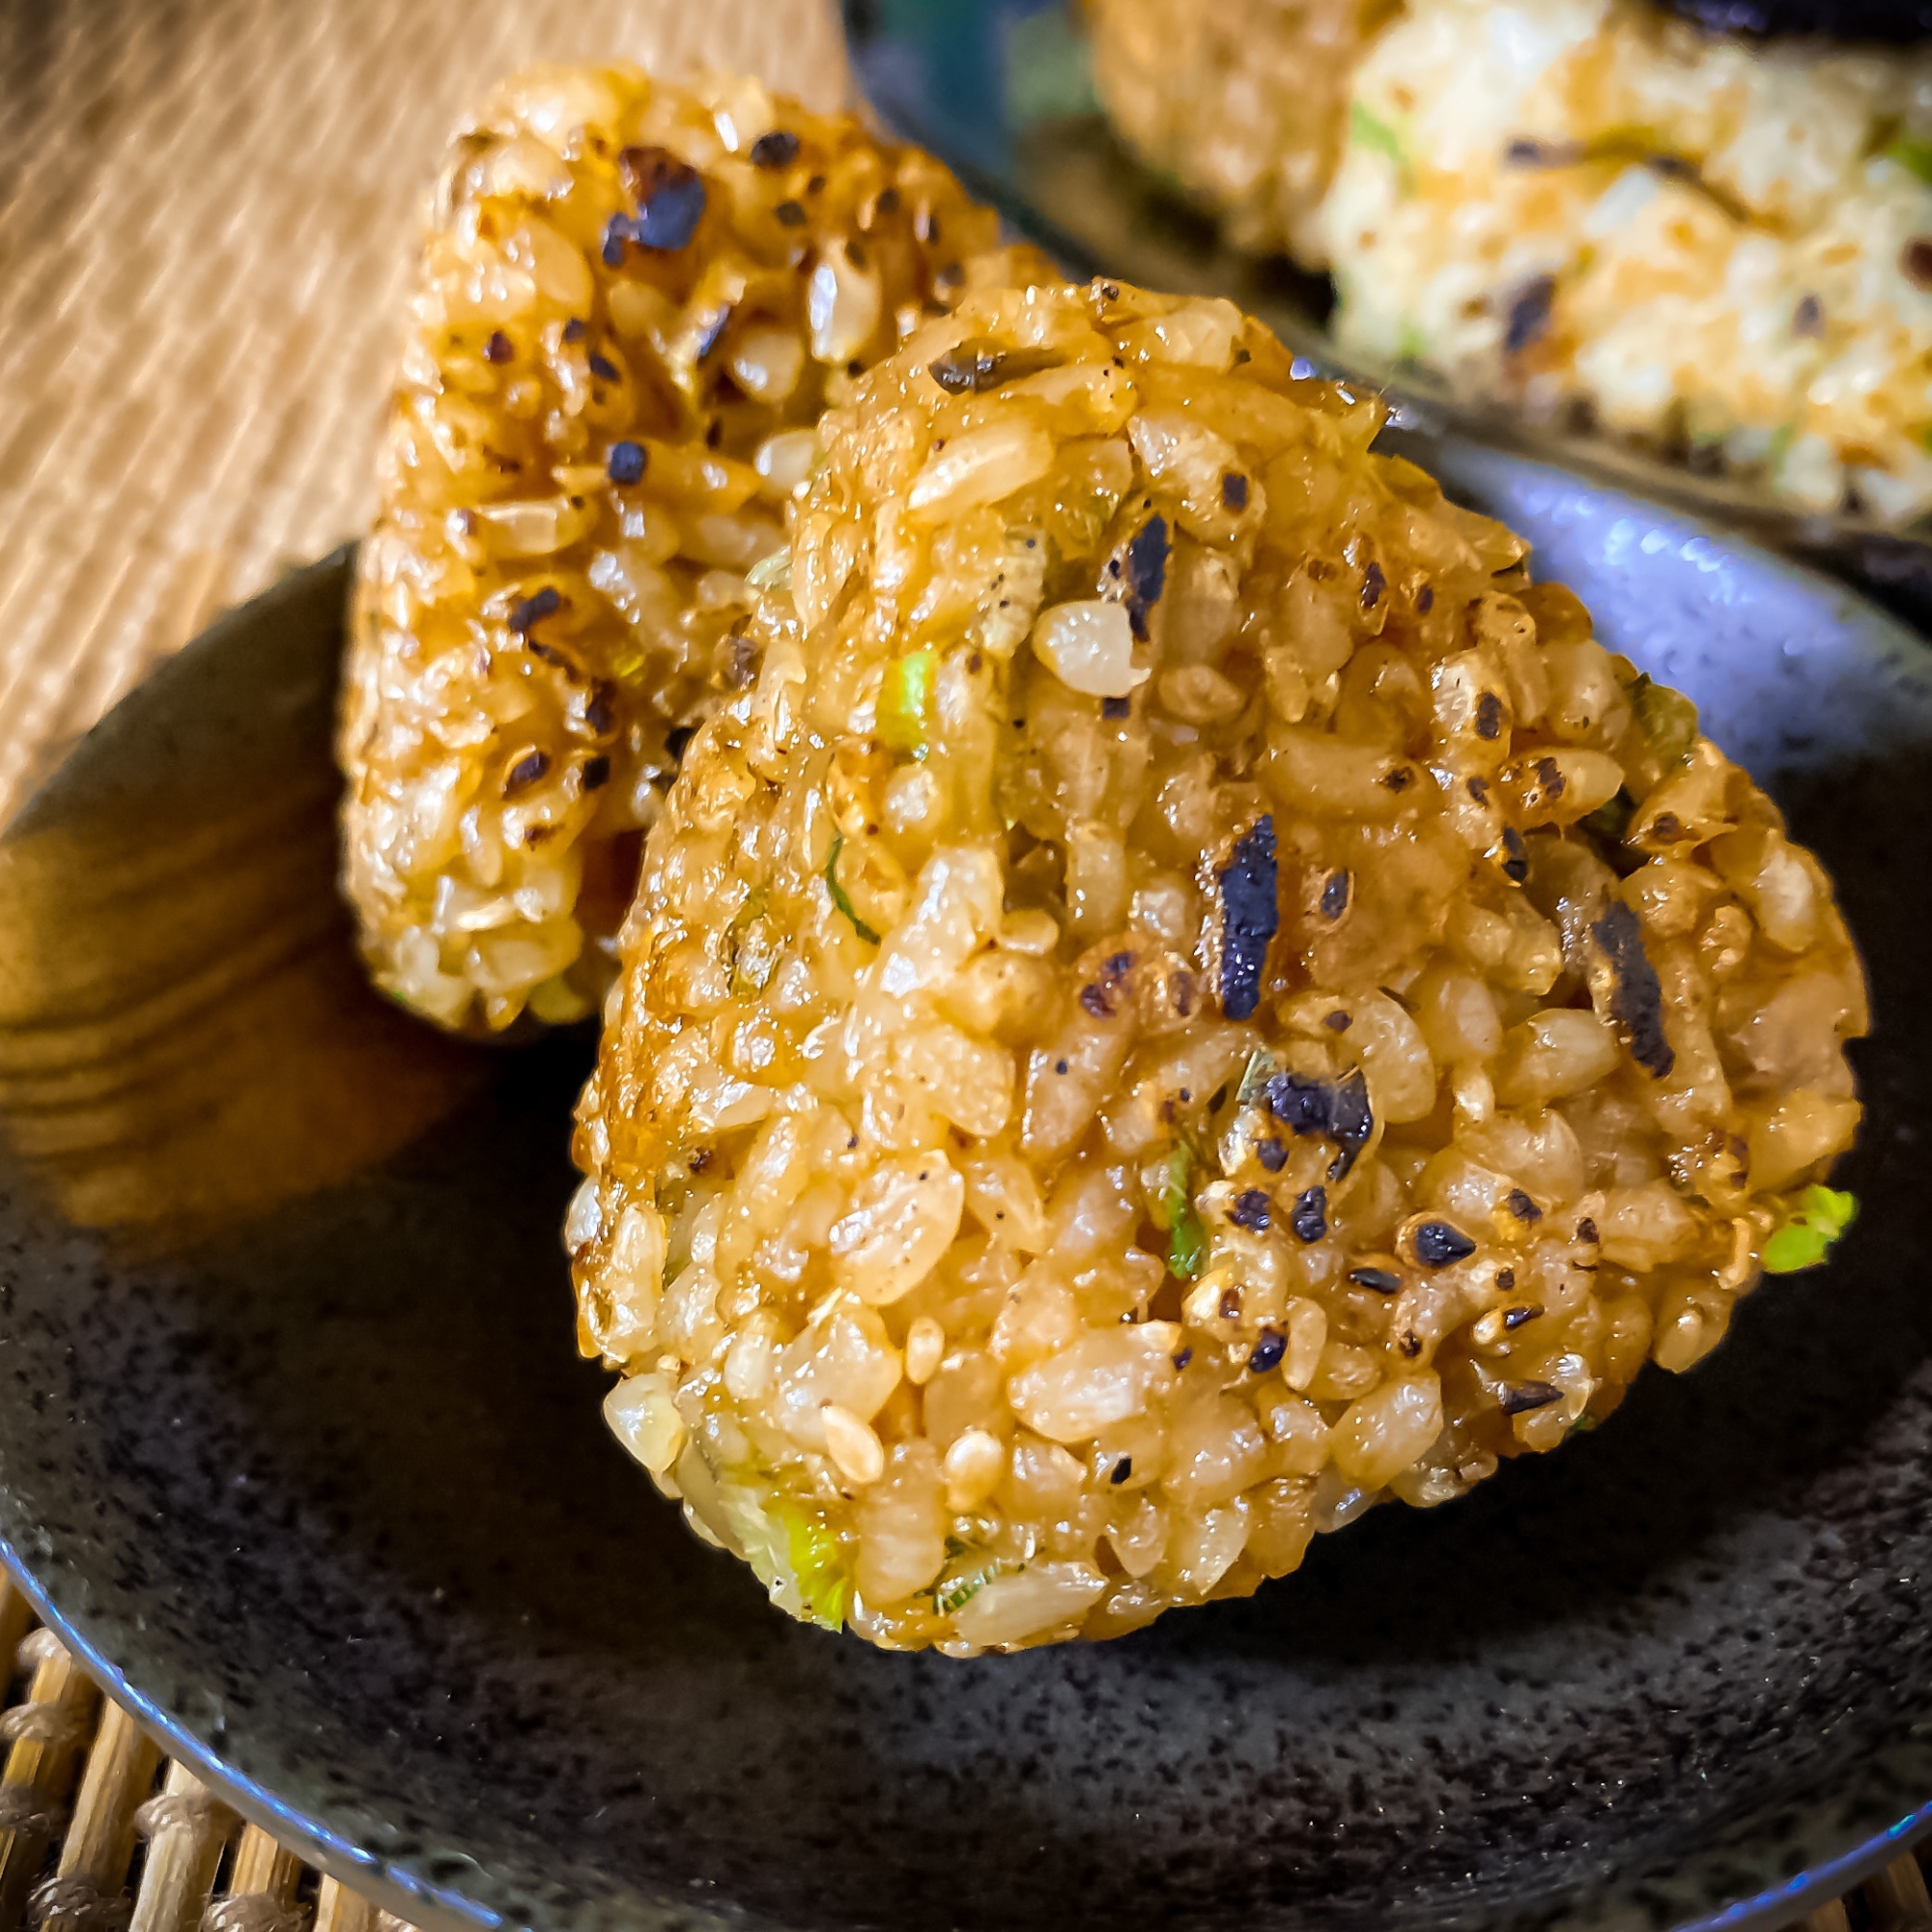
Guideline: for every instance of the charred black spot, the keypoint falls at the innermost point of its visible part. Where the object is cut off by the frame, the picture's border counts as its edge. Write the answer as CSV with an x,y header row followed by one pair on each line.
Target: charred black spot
x,y
1374,583
1097,1000
1398,777
1424,600
525,772
598,714
1519,1398
1060,1066
1506,1279
530,612
1250,913
1524,1207
1915,262
1269,1349
1586,1230
789,215
1410,1344
576,328
1488,715
669,197
1516,865
1181,989
1438,1243
1807,319
603,368
677,739
1234,491
1251,1211
1338,1111
1529,314
1272,1154
1147,572
1636,1000
1231,1304
776,149
498,349
973,367
1378,1281
1335,894
1549,775
1310,1218
1116,708
1338,1021
1181,1357
1478,789
596,773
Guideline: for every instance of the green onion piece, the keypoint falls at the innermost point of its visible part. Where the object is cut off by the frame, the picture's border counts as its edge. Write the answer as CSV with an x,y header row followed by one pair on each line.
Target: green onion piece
x,y
1912,154
1411,345
905,703
955,1592
1611,819
772,572
1254,1077
1668,718
817,1562
839,897
1186,1240
1368,129
1821,1217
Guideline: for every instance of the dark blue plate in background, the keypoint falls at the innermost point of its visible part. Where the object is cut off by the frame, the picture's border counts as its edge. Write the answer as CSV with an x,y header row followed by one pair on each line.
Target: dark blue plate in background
x,y
295,1450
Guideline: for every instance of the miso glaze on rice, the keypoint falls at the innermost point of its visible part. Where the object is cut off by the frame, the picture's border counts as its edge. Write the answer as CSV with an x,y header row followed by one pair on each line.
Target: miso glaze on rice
x,y
633,301
1190,997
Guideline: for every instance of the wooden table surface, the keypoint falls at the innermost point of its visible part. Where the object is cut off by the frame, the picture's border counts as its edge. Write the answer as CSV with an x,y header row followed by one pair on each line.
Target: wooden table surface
x,y
208,214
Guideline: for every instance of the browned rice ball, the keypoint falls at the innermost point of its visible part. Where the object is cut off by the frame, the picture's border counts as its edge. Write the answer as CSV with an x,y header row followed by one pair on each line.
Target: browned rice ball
x,y
1187,998
633,302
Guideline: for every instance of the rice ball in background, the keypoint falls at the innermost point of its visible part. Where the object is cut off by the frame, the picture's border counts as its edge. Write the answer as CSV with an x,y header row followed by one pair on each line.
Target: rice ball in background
x,y
633,303
1188,997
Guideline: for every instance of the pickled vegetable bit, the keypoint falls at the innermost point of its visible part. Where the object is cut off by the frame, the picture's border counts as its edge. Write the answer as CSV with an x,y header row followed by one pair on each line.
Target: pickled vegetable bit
x,y
633,302
1187,997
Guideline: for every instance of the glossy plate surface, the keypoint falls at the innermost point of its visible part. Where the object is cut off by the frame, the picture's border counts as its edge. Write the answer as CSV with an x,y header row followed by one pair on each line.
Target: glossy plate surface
x,y
293,1436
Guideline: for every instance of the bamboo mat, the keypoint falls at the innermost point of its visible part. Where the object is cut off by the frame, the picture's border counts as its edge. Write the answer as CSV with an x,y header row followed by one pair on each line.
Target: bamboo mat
x,y
208,210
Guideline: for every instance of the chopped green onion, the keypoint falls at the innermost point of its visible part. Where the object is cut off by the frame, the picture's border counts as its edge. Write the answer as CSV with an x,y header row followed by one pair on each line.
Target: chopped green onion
x,y
1186,1240
1368,129
1912,154
1611,819
950,1593
1254,1077
772,572
817,1562
1668,718
1821,1217
1411,345
839,897
905,703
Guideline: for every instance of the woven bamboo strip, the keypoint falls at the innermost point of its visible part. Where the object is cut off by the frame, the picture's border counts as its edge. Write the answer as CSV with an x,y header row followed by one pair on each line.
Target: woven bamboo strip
x,y
90,1878
188,1830
46,1733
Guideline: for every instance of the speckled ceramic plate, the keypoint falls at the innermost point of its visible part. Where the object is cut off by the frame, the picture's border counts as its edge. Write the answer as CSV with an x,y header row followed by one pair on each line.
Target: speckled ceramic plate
x,y
294,1444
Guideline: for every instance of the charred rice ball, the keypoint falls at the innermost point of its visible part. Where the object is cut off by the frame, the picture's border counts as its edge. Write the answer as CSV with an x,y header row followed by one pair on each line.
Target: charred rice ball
x,y
633,301
1187,998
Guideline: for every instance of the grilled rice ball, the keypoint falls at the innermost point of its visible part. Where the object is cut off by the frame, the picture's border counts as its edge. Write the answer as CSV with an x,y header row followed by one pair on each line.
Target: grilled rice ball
x,y
1583,211
633,301
1189,996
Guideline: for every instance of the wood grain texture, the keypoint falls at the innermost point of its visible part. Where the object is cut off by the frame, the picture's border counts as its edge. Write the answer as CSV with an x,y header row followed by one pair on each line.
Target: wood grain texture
x,y
208,214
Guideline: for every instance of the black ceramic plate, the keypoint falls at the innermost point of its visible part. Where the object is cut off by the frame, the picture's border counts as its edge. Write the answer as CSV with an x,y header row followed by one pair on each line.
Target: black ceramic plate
x,y
294,1443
